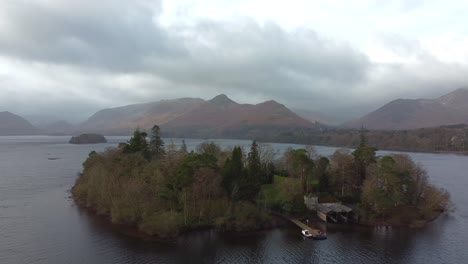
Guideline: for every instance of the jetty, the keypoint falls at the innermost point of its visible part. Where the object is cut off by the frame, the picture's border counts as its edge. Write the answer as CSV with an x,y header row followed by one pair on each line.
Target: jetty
x,y
312,231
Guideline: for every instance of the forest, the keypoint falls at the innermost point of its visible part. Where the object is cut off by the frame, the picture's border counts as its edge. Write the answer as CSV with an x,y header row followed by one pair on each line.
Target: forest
x,y
166,190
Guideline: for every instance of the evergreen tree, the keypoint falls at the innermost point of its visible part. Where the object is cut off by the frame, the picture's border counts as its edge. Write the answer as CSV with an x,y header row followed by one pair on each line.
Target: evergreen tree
x,y
250,180
137,143
232,171
321,172
156,145
363,157
254,163
183,148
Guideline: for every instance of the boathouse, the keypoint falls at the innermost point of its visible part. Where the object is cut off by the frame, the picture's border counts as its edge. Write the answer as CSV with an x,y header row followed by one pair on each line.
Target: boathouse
x,y
334,212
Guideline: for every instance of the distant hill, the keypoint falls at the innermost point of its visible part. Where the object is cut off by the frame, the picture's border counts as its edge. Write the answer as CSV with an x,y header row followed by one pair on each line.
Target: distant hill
x,y
222,117
319,117
57,128
124,120
193,117
403,114
14,125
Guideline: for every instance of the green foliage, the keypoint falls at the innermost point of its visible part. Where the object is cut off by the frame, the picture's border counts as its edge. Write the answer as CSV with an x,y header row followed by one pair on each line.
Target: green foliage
x,y
283,195
364,155
137,143
162,224
321,172
232,171
249,183
243,216
396,184
166,195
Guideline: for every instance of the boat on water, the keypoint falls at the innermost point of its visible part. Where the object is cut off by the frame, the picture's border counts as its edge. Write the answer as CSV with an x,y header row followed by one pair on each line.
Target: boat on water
x,y
320,236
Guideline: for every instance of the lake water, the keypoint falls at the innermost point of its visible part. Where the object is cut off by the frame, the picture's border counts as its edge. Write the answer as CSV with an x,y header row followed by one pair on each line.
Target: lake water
x,y
39,223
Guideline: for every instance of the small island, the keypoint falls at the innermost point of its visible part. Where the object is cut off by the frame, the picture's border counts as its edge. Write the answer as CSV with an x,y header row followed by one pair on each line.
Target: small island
x,y
165,191
88,139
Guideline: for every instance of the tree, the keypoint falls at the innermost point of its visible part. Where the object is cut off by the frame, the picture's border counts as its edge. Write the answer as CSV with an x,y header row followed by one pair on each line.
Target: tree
x,y
364,155
321,172
156,145
183,148
249,183
342,172
232,171
302,167
137,143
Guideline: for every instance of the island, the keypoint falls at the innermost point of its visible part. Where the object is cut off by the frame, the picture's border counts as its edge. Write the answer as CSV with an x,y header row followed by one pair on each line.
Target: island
x,y
164,191
88,139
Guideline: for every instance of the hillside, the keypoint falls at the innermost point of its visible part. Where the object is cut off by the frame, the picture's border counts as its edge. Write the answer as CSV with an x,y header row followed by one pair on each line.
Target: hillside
x,y
14,125
192,117
222,117
123,120
57,128
418,113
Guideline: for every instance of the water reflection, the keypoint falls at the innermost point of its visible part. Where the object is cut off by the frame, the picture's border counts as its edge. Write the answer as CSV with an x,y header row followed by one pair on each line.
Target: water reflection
x,y
39,224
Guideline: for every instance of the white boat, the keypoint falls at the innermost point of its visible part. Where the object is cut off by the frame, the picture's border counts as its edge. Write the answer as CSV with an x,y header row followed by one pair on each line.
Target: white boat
x,y
306,233
320,236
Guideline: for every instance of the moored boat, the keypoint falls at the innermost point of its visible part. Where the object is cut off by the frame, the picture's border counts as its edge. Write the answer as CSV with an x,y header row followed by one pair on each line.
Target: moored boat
x,y
321,235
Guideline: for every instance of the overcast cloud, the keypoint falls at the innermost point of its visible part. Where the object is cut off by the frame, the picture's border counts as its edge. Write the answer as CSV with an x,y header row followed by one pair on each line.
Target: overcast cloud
x,y
72,58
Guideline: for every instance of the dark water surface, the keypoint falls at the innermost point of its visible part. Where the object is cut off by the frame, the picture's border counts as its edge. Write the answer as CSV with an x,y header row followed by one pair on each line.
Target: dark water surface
x,y
39,223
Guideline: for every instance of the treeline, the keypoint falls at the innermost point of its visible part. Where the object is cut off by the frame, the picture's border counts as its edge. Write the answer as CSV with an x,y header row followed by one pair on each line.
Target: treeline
x,y
390,189
166,190
440,139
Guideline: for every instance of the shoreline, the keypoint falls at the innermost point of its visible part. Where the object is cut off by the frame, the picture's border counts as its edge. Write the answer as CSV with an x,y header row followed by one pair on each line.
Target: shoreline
x,y
133,231
280,222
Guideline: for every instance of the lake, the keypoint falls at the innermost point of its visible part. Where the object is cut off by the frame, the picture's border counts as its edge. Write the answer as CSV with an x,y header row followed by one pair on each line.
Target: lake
x,y
39,222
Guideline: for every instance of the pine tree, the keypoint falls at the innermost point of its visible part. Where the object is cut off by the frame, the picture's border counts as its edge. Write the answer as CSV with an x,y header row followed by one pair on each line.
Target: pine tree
x,y
232,171
363,157
250,180
183,148
137,143
156,145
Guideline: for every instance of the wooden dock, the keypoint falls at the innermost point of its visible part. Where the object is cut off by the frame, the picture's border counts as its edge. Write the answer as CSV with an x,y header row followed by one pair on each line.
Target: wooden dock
x,y
304,226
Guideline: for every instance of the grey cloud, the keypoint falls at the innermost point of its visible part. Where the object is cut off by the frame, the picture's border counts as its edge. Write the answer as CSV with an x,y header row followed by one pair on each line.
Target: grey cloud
x,y
267,60
107,53
113,35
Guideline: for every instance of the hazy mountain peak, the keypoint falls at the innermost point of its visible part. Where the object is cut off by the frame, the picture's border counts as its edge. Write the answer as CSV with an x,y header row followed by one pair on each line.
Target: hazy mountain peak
x,y
222,99
459,96
11,124
448,109
272,103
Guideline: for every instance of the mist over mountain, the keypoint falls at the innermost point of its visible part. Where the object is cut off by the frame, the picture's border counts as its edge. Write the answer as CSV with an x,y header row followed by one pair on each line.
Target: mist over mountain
x,y
400,114
14,125
193,117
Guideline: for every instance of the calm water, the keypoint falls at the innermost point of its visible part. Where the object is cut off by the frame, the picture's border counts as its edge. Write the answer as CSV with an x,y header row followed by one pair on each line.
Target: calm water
x,y
39,223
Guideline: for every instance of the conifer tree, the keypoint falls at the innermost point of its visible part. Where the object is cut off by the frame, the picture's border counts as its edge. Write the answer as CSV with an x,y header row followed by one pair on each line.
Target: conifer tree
x,y
156,145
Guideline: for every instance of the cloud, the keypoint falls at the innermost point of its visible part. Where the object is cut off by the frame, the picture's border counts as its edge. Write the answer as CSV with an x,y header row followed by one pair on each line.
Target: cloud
x,y
112,35
76,57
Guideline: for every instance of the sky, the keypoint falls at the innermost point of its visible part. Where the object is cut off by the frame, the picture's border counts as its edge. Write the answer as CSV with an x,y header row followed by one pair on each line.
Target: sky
x,y
69,59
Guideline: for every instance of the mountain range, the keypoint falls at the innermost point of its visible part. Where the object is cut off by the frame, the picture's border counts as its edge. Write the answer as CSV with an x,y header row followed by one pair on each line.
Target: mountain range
x,y
403,114
222,117
194,117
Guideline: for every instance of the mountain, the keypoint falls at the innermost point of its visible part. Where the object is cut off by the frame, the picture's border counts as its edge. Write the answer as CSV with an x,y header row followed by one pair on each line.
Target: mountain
x,y
57,128
193,117
14,125
123,120
319,117
404,114
222,117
